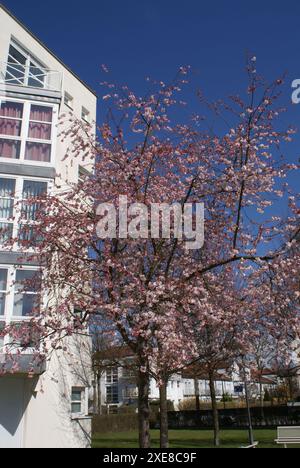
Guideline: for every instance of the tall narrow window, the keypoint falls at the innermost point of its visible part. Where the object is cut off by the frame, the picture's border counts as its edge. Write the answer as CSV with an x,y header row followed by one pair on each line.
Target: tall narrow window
x,y
40,128
85,115
32,190
27,293
77,400
3,290
11,114
7,193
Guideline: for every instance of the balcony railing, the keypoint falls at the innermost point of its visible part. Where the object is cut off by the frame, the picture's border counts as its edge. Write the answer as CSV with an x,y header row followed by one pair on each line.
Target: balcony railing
x,y
15,74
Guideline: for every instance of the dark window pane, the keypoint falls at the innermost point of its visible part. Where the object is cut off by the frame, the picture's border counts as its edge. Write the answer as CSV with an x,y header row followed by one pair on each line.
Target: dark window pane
x,y
41,113
6,231
3,279
36,77
10,148
10,127
37,152
11,109
39,131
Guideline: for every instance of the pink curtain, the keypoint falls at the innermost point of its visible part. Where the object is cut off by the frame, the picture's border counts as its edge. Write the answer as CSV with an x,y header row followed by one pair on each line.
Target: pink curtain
x,y
10,127
41,113
38,152
9,149
11,109
39,131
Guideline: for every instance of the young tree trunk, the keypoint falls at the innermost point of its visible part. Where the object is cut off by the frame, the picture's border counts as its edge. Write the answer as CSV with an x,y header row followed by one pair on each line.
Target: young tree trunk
x,y
214,410
197,394
164,426
99,396
143,409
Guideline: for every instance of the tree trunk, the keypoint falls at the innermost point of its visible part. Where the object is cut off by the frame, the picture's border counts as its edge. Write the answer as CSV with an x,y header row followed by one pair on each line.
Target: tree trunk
x,y
197,394
99,397
214,410
143,409
164,426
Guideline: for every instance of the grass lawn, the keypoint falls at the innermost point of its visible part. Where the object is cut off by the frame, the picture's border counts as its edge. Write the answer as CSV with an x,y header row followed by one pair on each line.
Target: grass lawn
x,y
188,439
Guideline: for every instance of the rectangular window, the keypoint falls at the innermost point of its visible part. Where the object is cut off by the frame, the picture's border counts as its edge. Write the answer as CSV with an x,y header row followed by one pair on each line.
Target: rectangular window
x,y
40,129
27,293
11,115
112,375
7,193
85,115
3,290
69,101
26,131
77,400
23,69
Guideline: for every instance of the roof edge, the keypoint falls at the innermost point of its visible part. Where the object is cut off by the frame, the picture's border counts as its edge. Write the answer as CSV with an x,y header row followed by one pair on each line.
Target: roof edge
x,y
4,8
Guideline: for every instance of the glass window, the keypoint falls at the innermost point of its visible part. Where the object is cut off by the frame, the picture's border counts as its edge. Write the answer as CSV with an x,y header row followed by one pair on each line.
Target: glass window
x,y
38,152
37,125
3,290
15,72
112,394
31,191
7,193
11,114
76,400
112,375
85,115
26,297
23,69
68,100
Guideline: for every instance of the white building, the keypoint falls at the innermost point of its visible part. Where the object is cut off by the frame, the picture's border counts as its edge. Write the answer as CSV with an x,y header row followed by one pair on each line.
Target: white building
x,y
51,408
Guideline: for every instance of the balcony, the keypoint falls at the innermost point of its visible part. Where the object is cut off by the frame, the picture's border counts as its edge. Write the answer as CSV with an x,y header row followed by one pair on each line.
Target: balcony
x,y
21,364
16,77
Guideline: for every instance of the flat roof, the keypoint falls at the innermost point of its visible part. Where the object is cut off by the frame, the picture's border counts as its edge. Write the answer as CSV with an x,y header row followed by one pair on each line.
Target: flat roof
x,y
46,48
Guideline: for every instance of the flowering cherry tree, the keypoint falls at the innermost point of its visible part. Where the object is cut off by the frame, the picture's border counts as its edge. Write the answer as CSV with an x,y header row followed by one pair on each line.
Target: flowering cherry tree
x,y
150,288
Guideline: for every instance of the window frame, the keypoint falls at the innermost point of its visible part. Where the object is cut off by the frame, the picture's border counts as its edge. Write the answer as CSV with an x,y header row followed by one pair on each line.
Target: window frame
x,y
17,221
70,100
83,402
29,59
8,318
24,136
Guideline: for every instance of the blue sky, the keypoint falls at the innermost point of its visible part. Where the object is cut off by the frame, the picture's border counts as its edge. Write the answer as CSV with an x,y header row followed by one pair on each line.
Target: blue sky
x,y
137,38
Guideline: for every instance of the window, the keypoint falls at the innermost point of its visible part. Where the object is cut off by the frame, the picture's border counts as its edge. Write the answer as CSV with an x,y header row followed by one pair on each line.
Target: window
x,y
39,134
12,222
26,131
23,69
112,394
26,293
30,207
112,389
7,194
11,115
82,173
77,400
85,115
3,290
112,375
69,101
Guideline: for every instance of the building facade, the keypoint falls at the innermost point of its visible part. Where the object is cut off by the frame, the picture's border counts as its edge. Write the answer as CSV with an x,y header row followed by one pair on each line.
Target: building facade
x,y
49,409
